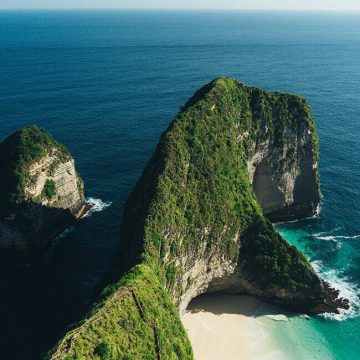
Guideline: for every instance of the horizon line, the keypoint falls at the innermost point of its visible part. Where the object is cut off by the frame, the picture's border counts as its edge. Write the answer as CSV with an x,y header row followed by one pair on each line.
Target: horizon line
x,y
181,9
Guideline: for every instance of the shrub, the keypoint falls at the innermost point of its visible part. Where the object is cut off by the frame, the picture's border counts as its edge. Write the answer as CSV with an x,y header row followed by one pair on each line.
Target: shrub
x,y
103,350
49,190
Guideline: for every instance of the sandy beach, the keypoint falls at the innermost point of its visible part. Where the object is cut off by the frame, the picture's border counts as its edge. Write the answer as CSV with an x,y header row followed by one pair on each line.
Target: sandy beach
x,y
227,327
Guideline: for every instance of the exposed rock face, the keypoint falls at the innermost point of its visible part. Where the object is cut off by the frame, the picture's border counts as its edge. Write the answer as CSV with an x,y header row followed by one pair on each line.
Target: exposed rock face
x,y
195,221
42,192
69,188
285,178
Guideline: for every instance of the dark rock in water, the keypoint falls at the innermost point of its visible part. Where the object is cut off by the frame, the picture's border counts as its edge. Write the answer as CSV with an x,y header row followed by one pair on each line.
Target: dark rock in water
x,y
41,193
197,222
331,302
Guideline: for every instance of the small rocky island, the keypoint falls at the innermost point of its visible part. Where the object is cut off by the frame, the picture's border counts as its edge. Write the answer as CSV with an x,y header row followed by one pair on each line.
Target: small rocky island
x,y
197,221
41,192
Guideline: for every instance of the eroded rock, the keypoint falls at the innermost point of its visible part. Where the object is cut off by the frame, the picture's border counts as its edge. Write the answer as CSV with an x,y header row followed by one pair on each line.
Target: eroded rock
x,y
41,192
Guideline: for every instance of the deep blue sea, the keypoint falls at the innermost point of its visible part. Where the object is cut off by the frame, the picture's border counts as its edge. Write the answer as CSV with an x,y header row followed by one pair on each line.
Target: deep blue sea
x,y
106,84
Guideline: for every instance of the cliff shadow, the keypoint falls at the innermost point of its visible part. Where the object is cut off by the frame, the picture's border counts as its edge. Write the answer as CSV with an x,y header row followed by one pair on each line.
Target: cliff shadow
x,y
41,293
220,303
28,232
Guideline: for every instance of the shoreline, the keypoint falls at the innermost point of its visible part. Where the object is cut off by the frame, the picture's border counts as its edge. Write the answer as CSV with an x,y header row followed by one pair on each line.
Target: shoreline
x,y
227,327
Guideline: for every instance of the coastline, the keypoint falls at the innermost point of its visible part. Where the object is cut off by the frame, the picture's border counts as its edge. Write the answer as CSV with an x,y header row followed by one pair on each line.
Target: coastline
x,y
242,327
228,327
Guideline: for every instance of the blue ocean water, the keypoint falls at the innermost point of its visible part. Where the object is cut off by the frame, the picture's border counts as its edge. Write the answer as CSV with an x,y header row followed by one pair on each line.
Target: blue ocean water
x,y
107,84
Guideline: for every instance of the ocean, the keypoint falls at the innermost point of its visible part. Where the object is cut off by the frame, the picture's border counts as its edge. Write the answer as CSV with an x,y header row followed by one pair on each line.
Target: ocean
x,y
107,83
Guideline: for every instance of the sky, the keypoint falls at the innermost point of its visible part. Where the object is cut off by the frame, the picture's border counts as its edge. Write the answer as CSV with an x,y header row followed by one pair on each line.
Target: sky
x,y
185,4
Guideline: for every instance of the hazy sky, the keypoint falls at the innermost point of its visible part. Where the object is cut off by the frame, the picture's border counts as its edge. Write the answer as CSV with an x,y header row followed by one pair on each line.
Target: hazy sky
x,y
187,4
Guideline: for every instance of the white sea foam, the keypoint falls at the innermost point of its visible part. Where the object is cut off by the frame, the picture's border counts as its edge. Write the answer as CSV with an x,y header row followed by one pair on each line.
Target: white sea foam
x,y
97,205
322,233
317,265
278,317
347,290
337,237
348,237
327,238
331,236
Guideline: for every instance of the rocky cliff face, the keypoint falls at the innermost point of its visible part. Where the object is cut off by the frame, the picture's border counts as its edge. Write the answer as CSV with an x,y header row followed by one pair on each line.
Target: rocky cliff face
x,y
285,176
197,220
41,193
68,186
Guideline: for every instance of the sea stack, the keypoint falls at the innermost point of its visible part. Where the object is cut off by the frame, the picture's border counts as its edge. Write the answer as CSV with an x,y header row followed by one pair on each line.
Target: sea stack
x,y
197,221
41,192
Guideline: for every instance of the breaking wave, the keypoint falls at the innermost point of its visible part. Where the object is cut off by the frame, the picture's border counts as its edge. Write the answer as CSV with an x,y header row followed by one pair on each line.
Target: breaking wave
x,y
347,290
336,237
97,206
277,317
331,235
322,233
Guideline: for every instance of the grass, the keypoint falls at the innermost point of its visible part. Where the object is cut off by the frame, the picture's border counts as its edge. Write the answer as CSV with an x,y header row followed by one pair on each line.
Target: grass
x,y
135,319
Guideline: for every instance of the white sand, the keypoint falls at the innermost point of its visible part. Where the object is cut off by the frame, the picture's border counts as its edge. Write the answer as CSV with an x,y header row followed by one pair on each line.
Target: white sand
x,y
225,327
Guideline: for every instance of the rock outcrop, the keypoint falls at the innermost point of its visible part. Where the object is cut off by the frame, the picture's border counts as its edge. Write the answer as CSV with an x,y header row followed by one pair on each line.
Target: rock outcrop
x,y
41,192
197,221
285,178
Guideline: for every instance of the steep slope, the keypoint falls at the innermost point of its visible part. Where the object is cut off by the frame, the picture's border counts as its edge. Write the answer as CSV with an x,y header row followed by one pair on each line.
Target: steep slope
x,y
135,319
195,223
41,192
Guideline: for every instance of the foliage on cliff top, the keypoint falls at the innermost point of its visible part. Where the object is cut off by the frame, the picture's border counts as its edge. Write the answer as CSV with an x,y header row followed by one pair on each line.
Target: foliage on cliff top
x,y
135,319
17,153
270,112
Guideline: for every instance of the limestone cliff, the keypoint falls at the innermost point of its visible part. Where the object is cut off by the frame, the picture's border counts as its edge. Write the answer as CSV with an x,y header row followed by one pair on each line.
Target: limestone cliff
x,y
41,192
283,167
195,223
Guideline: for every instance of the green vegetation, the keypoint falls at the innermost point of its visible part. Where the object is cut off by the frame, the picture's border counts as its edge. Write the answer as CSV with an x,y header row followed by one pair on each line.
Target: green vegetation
x,y
195,191
79,183
33,179
53,166
17,153
103,350
135,319
271,260
49,190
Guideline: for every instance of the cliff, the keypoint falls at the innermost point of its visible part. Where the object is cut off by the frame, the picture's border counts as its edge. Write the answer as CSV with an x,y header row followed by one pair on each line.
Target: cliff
x,y
197,221
41,192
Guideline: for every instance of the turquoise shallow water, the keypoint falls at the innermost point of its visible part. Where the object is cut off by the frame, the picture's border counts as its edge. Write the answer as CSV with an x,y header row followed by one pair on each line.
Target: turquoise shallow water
x,y
322,337
107,83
